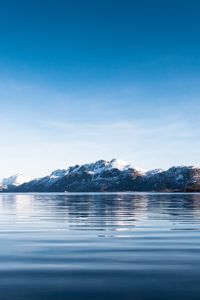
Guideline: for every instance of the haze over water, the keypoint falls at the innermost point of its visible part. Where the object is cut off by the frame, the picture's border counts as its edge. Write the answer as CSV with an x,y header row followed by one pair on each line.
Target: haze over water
x,y
99,246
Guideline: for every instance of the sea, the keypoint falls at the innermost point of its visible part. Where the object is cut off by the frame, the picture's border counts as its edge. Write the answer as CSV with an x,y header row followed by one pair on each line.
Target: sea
x,y
88,246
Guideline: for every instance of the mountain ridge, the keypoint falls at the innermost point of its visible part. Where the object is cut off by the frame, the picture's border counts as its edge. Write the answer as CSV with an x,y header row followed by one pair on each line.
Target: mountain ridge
x,y
112,176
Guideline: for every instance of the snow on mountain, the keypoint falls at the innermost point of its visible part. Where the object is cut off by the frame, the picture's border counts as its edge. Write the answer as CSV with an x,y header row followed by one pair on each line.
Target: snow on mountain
x,y
118,164
153,172
100,166
58,173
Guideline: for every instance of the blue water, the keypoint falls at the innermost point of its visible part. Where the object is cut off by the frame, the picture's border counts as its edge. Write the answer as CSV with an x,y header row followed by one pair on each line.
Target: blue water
x,y
99,246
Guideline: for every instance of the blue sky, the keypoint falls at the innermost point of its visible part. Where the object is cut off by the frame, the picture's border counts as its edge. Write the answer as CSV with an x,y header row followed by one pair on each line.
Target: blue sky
x,y
85,80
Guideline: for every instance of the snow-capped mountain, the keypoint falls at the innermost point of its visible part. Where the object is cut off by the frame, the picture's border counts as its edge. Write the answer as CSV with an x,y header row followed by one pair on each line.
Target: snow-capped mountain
x,y
99,176
14,180
181,178
115,175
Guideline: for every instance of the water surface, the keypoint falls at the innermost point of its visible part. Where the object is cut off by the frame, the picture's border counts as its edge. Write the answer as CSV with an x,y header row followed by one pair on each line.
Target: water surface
x,y
99,246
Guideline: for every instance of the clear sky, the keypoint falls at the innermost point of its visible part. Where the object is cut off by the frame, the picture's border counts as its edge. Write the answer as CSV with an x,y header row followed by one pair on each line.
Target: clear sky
x,y
88,80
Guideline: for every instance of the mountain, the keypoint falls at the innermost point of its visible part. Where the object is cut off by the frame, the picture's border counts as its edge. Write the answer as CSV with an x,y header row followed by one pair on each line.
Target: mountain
x,y
113,176
182,178
99,176
13,181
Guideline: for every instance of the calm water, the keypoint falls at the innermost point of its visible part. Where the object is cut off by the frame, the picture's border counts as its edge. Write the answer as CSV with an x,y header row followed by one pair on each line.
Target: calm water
x,y
99,246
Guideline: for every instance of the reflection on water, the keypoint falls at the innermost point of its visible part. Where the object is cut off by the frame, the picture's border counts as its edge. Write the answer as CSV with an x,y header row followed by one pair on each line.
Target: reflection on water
x,y
99,246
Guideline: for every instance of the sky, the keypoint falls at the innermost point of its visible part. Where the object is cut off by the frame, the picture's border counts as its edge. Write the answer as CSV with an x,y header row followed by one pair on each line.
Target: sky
x,y
87,80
